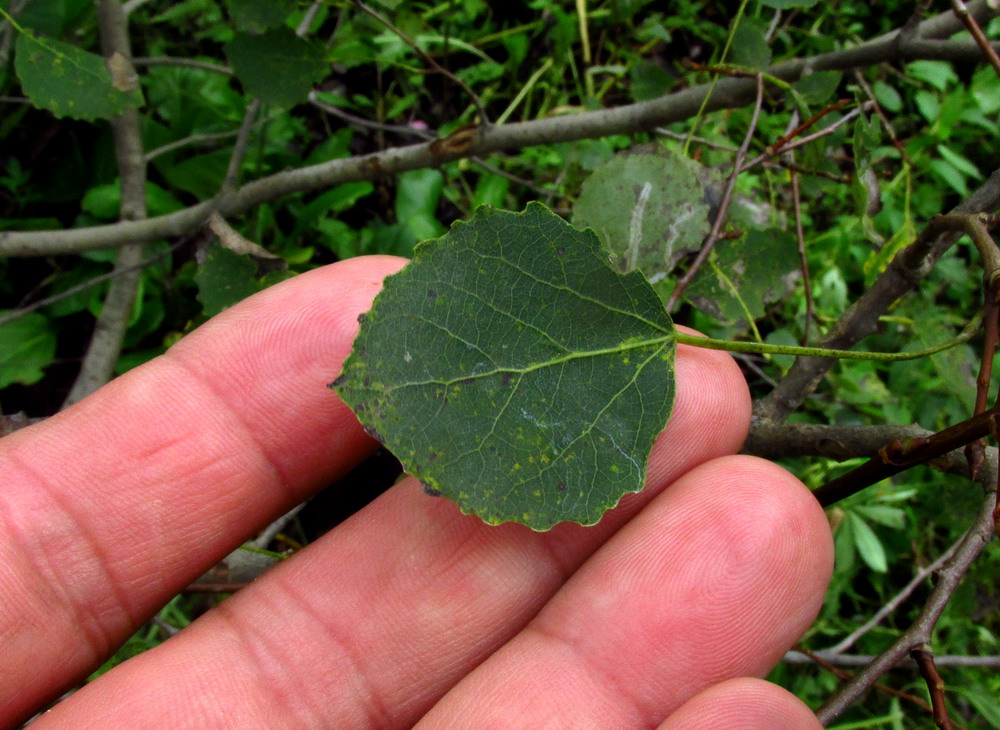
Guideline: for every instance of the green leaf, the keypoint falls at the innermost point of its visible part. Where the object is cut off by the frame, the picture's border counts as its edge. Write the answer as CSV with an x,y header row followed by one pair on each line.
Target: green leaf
x,y
747,274
649,80
819,86
417,196
224,279
277,66
947,173
256,16
69,81
938,74
104,201
887,96
27,347
647,208
750,47
869,546
513,370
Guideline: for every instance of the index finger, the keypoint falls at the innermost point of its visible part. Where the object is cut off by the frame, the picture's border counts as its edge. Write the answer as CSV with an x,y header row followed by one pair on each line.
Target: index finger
x,y
113,506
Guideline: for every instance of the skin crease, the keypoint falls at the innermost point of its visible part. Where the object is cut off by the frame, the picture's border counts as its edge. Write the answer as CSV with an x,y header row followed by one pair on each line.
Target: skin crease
x,y
410,611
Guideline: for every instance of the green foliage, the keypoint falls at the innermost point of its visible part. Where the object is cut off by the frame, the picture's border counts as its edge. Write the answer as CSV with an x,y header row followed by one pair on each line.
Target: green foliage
x,y
513,370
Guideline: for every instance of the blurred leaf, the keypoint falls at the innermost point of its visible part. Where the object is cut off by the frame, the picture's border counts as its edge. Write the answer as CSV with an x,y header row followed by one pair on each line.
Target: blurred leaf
x,y
747,274
869,546
749,46
949,175
417,196
938,74
201,175
224,279
67,80
27,347
491,190
818,87
277,66
256,16
881,514
104,201
961,163
986,703
649,80
887,97
647,208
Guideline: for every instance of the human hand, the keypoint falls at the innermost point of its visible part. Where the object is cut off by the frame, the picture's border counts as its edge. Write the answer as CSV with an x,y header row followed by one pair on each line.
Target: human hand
x,y
409,611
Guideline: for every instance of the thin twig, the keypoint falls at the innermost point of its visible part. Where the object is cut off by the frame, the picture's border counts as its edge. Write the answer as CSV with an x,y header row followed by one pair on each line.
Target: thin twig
x,y
962,11
231,181
803,141
924,658
795,656
723,212
485,120
920,631
73,290
217,68
975,452
843,675
893,603
368,123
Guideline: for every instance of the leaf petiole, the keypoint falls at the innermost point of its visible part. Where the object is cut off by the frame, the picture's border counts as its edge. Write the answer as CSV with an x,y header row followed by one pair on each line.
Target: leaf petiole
x,y
765,349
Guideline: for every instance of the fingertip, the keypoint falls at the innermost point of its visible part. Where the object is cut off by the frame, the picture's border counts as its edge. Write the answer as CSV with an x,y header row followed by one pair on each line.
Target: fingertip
x,y
743,704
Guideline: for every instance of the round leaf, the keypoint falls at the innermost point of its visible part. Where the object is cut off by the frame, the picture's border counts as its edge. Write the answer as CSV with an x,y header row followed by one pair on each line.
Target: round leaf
x,y
648,208
513,370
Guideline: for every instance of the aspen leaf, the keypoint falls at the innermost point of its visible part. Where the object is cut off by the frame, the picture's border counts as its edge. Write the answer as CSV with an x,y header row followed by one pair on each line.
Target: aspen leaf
x,y
513,370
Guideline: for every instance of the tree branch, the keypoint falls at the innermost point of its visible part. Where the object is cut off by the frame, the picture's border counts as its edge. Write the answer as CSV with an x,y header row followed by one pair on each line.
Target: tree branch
x,y
106,342
628,119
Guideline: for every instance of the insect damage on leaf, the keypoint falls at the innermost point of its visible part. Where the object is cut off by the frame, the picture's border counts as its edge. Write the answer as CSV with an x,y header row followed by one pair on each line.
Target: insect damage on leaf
x,y
513,370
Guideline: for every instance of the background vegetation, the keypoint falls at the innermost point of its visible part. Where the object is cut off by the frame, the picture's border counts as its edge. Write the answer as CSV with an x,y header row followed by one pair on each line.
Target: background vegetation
x,y
319,131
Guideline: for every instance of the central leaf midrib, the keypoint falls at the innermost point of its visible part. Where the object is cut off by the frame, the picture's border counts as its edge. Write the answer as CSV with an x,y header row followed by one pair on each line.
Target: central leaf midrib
x,y
539,365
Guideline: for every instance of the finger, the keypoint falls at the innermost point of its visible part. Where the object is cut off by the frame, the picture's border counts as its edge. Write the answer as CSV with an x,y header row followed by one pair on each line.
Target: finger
x,y
743,704
715,579
373,623
111,507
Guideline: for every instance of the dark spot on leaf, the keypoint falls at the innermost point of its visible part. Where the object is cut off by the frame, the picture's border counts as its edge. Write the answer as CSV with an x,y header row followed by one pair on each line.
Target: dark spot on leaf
x,y
429,490
431,294
506,379
560,251
467,381
338,381
561,486
361,318
432,456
